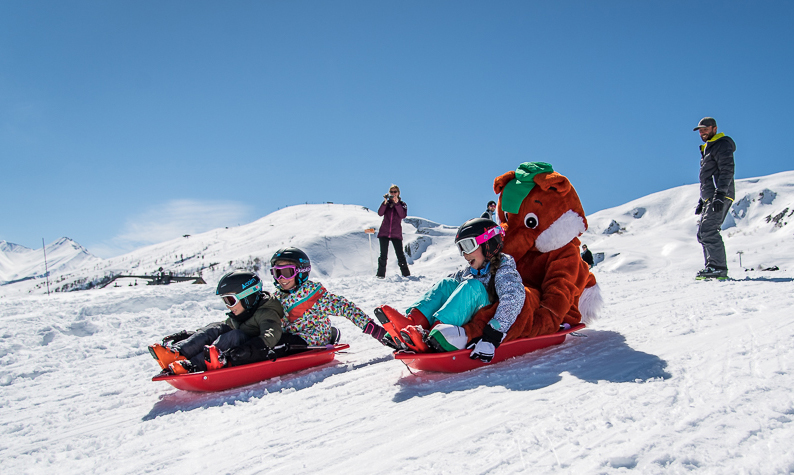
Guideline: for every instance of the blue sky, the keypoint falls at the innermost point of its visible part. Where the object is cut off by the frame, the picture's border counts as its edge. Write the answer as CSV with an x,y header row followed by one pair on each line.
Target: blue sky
x,y
131,122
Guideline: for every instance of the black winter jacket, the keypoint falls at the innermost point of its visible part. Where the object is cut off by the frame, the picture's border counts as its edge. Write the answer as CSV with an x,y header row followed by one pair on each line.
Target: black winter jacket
x,y
263,322
716,168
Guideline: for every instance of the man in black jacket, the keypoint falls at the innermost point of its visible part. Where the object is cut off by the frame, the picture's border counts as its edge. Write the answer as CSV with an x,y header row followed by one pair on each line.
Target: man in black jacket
x,y
587,256
717,193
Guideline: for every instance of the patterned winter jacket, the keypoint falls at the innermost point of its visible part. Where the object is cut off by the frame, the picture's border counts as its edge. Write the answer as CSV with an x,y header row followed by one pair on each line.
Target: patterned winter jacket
x,y
307,308
509,289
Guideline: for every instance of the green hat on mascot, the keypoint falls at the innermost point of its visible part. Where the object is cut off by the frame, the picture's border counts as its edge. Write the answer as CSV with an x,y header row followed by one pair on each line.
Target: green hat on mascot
x,y
518,188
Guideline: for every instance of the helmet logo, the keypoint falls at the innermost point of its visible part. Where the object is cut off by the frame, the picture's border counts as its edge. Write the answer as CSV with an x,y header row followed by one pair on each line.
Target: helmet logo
x,y
245,285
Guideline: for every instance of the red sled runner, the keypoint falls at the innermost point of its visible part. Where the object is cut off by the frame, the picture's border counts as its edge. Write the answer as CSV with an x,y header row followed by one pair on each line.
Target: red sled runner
x,y
459,361
227,378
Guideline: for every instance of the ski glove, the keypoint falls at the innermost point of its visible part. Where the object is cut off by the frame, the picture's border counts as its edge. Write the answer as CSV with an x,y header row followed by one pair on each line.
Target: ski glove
x,y
250,352
719,202
176,337
699,207
483,348
377,332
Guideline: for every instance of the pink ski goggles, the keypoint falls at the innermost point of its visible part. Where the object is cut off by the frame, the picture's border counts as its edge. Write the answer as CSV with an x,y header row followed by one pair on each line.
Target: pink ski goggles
x,y
470,244
287,272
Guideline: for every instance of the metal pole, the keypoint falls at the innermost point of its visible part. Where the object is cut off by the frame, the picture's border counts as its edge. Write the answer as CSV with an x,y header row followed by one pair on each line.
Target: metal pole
x,y
371,263
46,270
370,232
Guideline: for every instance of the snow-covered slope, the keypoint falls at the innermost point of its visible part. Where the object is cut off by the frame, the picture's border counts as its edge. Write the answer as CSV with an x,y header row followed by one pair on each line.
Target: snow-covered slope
x,y
63,256
332,234
677,376
658,232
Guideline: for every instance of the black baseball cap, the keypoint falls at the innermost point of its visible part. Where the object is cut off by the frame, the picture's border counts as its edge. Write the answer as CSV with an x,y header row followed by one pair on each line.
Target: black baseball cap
x,y
706,122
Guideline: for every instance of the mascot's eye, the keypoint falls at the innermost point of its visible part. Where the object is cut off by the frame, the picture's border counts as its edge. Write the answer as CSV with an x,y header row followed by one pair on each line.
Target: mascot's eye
x,y
531,221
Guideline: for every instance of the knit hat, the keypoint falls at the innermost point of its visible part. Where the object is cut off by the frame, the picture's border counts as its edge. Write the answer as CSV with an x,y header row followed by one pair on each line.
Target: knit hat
x,y
518,188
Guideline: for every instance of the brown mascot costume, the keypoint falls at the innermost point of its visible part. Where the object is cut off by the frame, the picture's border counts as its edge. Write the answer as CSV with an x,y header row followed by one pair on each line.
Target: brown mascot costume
x,y
543,219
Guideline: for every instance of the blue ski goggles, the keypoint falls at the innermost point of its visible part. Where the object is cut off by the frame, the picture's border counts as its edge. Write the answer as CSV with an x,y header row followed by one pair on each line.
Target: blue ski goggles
x,y
233,299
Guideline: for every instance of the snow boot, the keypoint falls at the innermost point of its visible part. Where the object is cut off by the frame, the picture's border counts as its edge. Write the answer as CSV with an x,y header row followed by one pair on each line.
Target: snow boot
x,y
401,321
336,335
181,367
164,355
414,338
213,358
393,332
445,337
712,273
404,269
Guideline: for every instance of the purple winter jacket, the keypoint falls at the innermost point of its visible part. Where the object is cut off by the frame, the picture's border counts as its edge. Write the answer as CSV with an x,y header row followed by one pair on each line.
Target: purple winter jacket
x,y
393,214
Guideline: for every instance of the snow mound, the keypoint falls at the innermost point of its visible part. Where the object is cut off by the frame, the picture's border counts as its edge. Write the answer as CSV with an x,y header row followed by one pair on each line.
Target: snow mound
x,y
658,231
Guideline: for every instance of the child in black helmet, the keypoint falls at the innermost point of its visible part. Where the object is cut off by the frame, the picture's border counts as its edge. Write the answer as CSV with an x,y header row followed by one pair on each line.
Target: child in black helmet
x,y
490,277
254,320
307,304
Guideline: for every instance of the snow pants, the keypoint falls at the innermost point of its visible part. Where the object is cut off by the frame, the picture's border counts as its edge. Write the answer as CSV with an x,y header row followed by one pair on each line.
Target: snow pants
x,y
384,255
252,352
219,334
452,302
709,236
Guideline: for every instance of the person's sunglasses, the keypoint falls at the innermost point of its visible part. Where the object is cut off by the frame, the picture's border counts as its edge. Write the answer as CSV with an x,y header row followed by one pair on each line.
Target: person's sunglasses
x,y
233,299
394,192
287,272
470,244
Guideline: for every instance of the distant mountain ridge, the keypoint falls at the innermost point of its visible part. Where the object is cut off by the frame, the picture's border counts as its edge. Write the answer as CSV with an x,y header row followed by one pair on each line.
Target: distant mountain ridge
x,y
18,262
333,235
653,233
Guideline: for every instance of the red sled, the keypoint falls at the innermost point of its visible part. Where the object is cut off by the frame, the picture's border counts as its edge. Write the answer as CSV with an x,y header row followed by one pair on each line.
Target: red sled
x,y
459,361
227,378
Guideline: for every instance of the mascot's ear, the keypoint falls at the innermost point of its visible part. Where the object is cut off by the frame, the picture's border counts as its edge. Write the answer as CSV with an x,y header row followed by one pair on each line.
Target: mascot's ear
x,y
500,181
547,181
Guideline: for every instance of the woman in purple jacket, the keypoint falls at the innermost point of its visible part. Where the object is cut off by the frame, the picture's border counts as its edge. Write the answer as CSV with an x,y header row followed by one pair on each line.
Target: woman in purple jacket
x,y
393,210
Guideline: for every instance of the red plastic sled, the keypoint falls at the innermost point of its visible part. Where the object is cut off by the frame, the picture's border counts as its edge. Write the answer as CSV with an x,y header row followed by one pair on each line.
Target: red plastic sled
x,y
236,376
459,361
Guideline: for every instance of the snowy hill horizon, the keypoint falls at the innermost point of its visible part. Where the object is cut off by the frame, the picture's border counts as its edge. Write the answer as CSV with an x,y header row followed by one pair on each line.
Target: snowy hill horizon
x,y
675,376
758,218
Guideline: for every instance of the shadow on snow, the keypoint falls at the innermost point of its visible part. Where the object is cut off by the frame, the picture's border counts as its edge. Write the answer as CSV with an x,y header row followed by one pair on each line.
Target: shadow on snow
x,y
188,400
764,279
594,356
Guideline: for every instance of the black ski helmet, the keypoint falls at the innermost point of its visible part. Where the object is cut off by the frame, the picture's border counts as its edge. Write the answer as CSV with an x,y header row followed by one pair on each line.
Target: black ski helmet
x,y
296,256
474,228
238,282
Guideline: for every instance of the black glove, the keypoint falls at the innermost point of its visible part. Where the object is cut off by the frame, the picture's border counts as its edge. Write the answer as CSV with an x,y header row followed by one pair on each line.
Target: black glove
x,y
699,207
175,337
377,332
719,202
483,348
250,352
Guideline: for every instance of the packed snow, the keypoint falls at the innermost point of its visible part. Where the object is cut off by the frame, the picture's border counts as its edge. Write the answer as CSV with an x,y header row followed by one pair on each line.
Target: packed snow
x,y
676,376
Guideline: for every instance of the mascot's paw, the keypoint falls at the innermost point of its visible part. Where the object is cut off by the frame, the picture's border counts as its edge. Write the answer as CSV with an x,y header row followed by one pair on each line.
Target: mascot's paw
x,y
444,337
590,303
